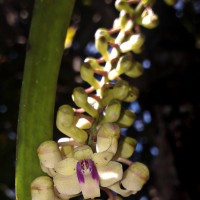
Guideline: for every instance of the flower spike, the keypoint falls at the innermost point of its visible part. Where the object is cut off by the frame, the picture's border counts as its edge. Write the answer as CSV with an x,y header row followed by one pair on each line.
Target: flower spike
x,y
91,157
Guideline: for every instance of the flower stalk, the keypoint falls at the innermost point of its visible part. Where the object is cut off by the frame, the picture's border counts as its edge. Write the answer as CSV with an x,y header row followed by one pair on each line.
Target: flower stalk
x,y
46,43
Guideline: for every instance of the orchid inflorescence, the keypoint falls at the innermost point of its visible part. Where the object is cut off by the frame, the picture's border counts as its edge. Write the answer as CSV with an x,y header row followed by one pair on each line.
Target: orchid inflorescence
x,y
93,155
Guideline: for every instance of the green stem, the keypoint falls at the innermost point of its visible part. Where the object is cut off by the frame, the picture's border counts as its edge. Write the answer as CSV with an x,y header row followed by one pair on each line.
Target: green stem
x,y
46,41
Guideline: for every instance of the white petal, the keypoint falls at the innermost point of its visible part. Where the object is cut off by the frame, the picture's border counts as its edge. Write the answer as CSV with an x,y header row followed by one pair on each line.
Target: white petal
x,y
67,184
64,196
83,152
88,178
103,143
110,173
90,188
113,146
116,188
102,158
66,167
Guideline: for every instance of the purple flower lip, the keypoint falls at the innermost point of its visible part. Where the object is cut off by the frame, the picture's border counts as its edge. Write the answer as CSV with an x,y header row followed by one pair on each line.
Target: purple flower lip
x,y
86,167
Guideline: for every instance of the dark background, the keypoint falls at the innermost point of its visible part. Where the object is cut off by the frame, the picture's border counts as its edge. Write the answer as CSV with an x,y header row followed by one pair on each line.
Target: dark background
x,y
167,127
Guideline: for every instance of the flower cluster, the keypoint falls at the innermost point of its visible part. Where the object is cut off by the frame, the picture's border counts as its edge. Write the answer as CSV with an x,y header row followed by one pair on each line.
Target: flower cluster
x,y
91,158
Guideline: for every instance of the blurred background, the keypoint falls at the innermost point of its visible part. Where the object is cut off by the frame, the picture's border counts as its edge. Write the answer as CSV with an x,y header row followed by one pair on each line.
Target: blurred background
x,y
167,126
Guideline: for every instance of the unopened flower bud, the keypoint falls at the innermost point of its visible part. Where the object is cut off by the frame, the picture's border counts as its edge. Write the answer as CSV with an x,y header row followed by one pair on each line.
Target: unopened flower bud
x,y
103,32
123,65
126,23
105,136
42,189
49,154
101,42
135,70
87,74
148,19
126,119
102,158
134,44
112,111
120,90
132,95
93,63
123,5
72,131
135,177
68,112
126,148
80,99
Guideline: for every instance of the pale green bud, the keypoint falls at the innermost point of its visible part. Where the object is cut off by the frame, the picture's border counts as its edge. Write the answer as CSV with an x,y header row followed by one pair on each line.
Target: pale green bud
x,y
112,111
135,70
102,158
134,44
42,188
126,148
102,38
49,154
68,111
123,5
62,124
148,19
87,74
109,130
120,90
123,65
132,95
107,137
103,32
135,177
126,119
80,99
93,63
126,24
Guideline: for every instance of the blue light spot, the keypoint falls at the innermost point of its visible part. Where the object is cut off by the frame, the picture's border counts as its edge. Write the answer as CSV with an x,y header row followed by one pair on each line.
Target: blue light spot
x,y
110,49
179,5
91,49
154,151
147,117
123,131
139,147
146,64
135,107
138,125
3,108
12,135
143,198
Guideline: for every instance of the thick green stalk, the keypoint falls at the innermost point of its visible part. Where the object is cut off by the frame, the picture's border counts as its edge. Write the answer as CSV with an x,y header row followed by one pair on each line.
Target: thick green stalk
x,y
45,49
